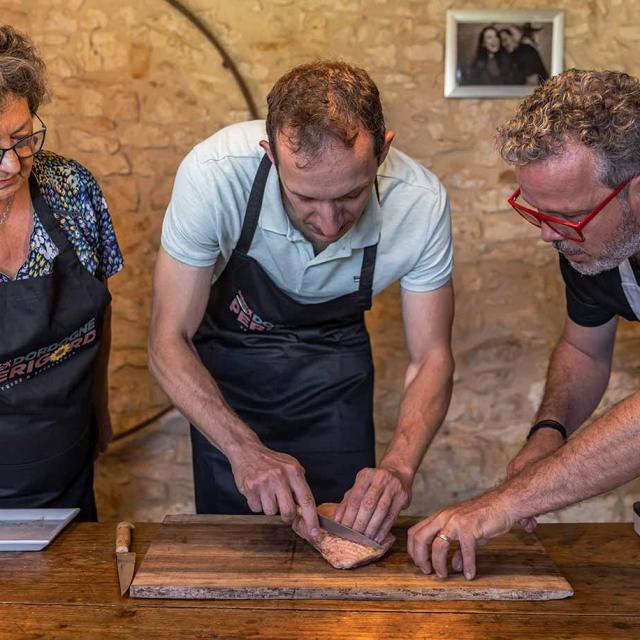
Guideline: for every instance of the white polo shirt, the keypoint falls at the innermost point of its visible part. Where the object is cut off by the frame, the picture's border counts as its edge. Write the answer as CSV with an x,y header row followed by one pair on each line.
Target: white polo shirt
x,y
411,223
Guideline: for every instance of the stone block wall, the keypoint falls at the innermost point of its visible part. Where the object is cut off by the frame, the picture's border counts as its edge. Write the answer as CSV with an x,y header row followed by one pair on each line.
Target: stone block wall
x,y
135,86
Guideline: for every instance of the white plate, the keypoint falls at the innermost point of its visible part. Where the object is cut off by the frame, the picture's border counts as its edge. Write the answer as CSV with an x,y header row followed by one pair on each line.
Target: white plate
x,y
32,529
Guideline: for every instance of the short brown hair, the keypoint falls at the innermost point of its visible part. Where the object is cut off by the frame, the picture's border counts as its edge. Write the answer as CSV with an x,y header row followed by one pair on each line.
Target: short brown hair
x,y
598,109
22,71
323,101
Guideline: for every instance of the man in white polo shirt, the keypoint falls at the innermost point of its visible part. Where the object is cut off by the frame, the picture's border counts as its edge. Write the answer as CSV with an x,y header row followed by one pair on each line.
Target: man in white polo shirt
x,y
273,244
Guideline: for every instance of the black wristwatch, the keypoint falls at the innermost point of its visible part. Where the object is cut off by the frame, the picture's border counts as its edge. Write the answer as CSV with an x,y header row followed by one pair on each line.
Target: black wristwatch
x,y
548,424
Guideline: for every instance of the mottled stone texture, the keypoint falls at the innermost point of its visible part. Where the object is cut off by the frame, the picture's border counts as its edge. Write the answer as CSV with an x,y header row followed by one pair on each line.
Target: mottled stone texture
x,y
135,86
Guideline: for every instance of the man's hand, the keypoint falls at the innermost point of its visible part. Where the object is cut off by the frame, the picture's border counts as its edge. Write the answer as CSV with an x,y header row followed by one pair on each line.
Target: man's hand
x,y
540,445
374,502
472,523
273,482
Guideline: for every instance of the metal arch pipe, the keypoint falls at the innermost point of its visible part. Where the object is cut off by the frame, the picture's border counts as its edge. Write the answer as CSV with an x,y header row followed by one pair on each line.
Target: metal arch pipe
x,y
227,61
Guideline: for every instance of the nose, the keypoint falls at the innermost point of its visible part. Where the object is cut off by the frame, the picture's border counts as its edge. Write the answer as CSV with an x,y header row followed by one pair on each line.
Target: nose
x,y
329,218
549,234
10,164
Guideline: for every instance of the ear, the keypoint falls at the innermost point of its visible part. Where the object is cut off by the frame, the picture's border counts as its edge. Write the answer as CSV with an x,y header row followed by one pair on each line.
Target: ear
x,y
267,148
634,195
388,139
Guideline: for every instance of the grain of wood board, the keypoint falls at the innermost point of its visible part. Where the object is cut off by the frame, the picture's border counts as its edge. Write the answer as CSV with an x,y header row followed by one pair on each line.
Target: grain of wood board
x,y
257,557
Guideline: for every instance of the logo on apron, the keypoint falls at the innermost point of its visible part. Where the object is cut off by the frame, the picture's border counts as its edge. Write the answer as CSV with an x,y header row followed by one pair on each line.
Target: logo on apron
x,y
21,368
246,317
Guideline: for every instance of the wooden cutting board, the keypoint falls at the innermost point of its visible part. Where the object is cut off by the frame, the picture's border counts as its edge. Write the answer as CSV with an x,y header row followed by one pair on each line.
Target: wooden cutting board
x,y
257,557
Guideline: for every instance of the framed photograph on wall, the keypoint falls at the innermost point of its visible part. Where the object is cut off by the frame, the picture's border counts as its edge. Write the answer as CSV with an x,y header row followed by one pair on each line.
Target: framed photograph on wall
x,y
501,54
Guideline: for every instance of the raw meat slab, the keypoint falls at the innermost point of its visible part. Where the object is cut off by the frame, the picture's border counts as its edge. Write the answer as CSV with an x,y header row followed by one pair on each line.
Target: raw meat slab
x,y
338,552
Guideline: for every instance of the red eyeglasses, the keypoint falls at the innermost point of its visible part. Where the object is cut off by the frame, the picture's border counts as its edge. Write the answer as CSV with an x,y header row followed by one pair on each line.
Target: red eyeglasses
x,y
567,229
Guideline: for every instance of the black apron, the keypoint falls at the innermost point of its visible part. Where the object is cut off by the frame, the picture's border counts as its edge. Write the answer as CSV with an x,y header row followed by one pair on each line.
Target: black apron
x,y
50,328
300,375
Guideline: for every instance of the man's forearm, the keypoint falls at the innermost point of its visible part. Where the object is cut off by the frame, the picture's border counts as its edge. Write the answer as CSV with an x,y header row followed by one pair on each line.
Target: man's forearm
x,y
575,385
422,410
603,456
183,377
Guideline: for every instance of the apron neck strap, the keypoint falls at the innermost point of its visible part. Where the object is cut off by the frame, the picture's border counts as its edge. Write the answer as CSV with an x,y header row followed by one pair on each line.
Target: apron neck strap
x,y
47,219
254,205
368,268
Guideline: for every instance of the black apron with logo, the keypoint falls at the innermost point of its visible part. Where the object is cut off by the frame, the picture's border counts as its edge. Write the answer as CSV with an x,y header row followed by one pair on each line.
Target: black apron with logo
x,y
50,328
300,375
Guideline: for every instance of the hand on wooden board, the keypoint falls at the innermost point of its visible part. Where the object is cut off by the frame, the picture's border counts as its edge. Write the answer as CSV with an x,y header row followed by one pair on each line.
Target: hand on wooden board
x,y
273,482
374,502
471,523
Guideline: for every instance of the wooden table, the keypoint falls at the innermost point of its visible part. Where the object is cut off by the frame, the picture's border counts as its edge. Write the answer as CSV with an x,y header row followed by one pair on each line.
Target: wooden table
x,y
70,590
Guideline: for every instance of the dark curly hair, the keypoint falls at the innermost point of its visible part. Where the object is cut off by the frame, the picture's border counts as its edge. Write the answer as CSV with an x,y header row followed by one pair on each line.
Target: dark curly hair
x,y
22,71
324,100
598,109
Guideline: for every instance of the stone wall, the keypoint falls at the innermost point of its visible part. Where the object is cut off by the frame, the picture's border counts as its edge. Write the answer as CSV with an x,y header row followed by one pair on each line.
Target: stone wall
x,y
136,85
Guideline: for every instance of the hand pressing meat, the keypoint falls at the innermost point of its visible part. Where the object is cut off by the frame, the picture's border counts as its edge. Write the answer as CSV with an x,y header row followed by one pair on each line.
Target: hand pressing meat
x,y
338,552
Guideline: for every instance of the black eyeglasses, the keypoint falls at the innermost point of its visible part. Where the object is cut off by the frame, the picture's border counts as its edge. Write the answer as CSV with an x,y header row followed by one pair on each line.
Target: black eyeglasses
x,y
29,145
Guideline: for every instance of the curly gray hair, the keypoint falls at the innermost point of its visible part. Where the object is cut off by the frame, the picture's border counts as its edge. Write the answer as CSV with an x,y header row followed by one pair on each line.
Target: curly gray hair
x,y
22,70
598,109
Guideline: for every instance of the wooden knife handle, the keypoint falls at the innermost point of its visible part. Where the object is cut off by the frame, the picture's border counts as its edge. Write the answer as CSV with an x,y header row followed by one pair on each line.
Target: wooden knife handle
x,y
123,536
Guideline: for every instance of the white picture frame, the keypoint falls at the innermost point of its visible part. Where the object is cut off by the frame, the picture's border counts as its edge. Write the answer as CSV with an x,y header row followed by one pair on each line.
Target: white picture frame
x,y
473,70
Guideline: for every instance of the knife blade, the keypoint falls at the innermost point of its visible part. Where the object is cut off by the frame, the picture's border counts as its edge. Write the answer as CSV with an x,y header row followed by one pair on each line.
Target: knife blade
x,y
125,559
346,532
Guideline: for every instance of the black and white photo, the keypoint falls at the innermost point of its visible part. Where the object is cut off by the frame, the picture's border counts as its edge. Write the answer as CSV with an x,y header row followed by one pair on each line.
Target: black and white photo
x,y
501,53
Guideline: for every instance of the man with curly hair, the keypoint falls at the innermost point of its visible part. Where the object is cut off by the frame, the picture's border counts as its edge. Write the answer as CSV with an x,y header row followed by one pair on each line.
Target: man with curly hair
x,y
575,147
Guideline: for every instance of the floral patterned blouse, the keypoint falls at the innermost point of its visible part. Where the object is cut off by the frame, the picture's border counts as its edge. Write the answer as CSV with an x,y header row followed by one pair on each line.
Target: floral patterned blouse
x,y
77,203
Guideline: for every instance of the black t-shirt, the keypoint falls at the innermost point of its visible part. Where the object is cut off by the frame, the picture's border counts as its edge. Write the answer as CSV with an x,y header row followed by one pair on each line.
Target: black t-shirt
x,y
527,62
594,300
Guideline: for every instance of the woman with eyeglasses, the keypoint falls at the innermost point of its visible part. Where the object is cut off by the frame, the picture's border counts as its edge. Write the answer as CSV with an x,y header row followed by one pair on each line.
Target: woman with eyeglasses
x,y
57,248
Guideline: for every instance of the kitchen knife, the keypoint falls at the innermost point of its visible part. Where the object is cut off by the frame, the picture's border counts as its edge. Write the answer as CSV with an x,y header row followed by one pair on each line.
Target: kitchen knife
x,y
125,559
345,532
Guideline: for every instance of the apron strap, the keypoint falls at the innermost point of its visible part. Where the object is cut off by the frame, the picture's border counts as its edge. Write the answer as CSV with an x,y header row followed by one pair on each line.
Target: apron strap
x,y
67,254
365,290
254,205
630,286
369,261
368,268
